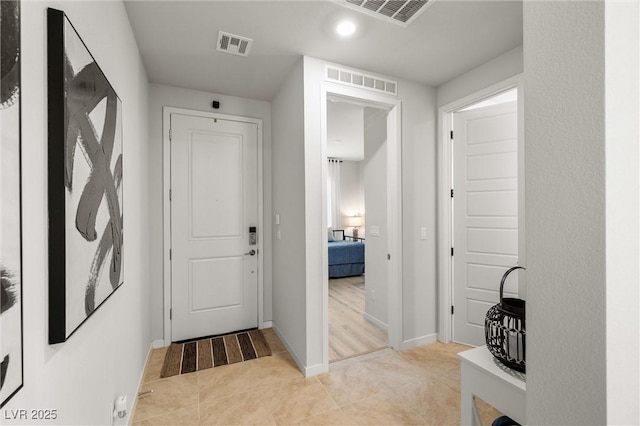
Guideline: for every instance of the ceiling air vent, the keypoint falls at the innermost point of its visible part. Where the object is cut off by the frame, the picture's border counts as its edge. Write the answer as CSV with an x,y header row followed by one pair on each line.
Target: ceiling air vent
x,y
234,44
356,79
401,12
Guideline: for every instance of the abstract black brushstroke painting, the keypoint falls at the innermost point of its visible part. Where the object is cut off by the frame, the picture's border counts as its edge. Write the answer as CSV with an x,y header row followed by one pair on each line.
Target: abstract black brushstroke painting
x,y
11,364
85,181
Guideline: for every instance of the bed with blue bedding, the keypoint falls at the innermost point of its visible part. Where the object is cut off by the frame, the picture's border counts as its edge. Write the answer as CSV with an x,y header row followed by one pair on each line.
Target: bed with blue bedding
x,y
346,258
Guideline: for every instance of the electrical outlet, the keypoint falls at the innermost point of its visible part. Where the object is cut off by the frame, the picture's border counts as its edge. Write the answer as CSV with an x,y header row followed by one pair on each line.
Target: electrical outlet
x,y
278,235
372,295
120,407
423,233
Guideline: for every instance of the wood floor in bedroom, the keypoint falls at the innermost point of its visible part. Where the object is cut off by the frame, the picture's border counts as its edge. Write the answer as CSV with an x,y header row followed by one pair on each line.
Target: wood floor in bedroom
x,y
349,333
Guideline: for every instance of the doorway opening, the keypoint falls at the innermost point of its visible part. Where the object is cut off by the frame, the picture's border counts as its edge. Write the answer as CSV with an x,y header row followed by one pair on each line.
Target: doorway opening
x,y
481,207
376,214
356,197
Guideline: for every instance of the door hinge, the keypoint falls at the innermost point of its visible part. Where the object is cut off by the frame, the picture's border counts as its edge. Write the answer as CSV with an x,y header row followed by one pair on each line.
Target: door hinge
x,y
388,256
171,314
451,251
170,134
169,254
170,194
452,309
451,194
451,135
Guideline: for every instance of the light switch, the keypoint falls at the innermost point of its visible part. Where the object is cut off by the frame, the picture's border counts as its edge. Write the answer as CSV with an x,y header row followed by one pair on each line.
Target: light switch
x,y
277,218
374,231
423,233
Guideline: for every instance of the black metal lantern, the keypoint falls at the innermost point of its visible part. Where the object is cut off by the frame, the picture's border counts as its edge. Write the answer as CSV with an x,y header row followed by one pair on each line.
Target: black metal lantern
x,y
504,329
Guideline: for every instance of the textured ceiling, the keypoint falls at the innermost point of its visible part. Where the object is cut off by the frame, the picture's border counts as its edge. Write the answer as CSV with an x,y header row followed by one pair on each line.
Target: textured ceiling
x,y
177,41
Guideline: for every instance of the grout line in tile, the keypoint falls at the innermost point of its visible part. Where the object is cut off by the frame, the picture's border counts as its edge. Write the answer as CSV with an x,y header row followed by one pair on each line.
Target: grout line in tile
x,y
319,414
329,394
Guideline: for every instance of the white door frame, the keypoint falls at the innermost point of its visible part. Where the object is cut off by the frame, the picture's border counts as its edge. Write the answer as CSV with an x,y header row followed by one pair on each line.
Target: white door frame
x,y
394,208
445,263
166,209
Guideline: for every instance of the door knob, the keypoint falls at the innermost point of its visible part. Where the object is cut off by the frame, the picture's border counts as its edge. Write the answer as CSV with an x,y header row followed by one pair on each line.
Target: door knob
x,y
251,253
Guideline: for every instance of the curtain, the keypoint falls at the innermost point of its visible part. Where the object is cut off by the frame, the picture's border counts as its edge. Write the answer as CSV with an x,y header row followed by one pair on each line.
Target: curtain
x,y
333,194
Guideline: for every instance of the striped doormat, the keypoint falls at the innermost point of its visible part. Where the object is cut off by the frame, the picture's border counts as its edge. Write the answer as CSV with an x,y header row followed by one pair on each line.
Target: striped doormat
x,y
198,355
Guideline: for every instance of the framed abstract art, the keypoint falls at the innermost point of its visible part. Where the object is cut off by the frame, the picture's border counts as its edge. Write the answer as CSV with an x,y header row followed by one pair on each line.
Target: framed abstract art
x,y
85,181
11,342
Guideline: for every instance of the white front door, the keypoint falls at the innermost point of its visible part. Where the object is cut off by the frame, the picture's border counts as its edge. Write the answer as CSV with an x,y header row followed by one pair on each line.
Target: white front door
x,y
485,210
214,208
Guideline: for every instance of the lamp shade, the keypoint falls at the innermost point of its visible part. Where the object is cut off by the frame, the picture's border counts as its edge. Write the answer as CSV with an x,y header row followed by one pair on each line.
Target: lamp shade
x,y
354,221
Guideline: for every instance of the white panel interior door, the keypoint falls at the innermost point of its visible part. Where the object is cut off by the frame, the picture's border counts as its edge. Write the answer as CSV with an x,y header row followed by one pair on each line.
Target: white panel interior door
x,y
485,214
214,202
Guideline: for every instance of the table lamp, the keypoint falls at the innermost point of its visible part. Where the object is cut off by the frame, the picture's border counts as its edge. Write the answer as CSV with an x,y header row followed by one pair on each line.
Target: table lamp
x,y
355,222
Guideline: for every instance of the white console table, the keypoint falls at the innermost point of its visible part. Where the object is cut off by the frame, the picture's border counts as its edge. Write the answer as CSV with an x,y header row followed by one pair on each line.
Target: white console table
x,y
485,377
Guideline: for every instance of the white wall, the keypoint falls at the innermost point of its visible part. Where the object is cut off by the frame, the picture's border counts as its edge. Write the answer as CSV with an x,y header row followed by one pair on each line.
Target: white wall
x,y
105,357
419,209
565,194
159,97
344,131
315,232
375,187
351,195
494,71
289,257
622,72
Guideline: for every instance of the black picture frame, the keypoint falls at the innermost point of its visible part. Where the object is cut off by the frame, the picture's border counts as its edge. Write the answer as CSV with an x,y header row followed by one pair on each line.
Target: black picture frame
x,y
85,154
11,313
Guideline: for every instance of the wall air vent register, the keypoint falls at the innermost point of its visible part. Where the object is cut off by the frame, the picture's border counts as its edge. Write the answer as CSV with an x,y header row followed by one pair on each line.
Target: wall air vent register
x,y
234,44
357,79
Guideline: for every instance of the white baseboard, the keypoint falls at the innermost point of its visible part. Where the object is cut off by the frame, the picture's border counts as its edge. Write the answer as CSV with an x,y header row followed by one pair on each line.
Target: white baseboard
x,y
418,341
314,370
141,382
375,321
307,371
266,324
157,344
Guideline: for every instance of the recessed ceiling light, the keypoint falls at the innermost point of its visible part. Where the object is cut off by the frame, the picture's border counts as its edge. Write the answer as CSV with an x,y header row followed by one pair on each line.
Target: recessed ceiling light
x,y
346,28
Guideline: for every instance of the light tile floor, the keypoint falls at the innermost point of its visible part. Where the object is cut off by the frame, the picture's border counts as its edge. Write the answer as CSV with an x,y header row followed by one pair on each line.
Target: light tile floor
x,y
417,386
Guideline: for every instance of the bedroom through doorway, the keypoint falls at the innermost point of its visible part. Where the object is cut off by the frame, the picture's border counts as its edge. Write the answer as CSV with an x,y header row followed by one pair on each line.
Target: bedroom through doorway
x,y
357,219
